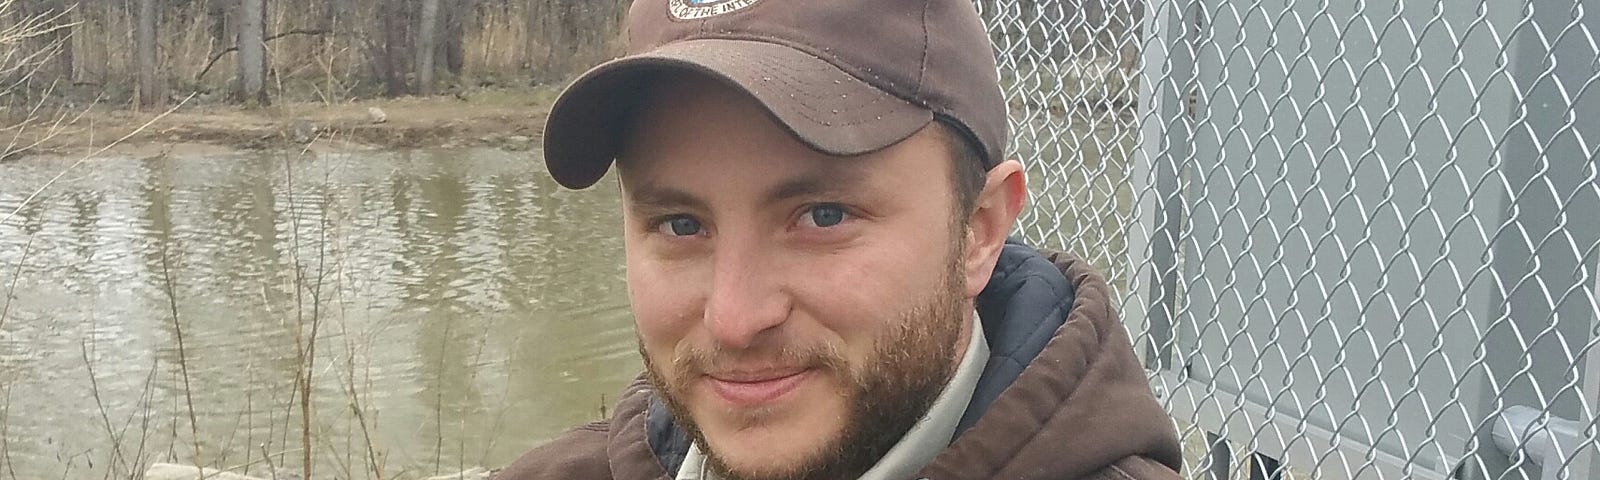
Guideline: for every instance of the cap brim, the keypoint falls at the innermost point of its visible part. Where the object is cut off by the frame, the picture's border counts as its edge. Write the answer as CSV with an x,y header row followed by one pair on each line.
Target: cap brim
x,y
831,111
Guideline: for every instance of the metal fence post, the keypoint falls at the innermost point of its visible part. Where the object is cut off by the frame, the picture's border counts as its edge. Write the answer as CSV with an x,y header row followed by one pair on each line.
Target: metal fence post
x,y
1549,221
1587,465
1166,78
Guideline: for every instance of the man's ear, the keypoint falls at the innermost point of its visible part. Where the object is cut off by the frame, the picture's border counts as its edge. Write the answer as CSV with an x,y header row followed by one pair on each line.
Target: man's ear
x,y
1005,191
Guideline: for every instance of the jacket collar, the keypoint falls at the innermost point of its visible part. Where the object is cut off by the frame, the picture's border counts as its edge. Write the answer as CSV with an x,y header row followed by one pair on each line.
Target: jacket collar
x,y
1079,406
1021,308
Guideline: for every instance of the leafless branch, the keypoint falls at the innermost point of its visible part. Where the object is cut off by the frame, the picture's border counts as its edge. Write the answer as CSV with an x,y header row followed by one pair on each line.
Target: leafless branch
x,y
183,358
235,48
16,276
5,438
117,457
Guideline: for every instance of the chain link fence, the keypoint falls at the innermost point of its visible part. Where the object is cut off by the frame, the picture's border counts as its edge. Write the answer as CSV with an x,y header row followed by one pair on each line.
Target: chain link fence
x,y
1352,238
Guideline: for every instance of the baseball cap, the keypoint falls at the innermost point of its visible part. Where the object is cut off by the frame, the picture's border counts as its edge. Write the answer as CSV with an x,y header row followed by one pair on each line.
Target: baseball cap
x,y
845,77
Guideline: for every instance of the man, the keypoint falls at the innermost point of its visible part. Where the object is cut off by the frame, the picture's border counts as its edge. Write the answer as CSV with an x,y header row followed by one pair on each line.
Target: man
x,y
815,213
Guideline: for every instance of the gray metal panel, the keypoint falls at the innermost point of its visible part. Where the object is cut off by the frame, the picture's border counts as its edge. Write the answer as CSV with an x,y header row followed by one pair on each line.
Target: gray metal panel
x,y
1337,170
1350,231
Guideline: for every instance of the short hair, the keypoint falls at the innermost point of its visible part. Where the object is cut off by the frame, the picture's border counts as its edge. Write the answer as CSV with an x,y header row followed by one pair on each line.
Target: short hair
x,y
967,172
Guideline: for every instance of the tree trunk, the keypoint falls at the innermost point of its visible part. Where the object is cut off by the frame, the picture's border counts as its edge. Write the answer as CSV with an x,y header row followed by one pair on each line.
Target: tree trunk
x,y
427,34
536,53
217,24
566,35
252,52
389,56
554,37
58,15
451,51
150,91
335,15
333,12
55,57
64,36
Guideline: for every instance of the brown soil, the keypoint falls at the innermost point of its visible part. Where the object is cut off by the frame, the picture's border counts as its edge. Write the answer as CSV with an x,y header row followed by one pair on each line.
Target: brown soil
x,y
505,118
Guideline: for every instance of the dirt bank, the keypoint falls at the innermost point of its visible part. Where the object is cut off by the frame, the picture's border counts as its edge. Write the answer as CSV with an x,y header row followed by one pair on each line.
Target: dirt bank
x,y
505,118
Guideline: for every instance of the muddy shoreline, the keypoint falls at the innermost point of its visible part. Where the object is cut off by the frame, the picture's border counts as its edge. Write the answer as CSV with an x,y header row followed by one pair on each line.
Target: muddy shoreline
x,y
508,118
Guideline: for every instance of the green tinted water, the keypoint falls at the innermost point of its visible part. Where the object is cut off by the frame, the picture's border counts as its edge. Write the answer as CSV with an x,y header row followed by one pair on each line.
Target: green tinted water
x,y
463,306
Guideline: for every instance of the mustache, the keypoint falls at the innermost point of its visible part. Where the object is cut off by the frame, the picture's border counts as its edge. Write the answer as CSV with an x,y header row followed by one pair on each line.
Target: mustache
x,y
691,362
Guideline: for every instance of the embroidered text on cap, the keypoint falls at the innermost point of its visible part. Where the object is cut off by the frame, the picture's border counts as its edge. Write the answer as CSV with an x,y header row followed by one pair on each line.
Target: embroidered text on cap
x,y
697,9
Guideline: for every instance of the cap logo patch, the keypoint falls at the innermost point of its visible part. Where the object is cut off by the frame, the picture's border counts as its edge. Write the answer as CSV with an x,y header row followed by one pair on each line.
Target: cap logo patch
x,y
698,9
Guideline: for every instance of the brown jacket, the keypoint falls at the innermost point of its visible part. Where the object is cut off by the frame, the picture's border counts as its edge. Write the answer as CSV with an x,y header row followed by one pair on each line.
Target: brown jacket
x,y
1078,406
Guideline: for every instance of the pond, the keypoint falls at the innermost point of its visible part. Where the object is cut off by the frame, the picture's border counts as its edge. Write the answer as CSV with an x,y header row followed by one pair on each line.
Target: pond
x,y
451,308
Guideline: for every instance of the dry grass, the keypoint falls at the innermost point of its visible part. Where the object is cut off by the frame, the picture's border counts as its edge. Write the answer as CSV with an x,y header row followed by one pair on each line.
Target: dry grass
x,y
312,55
300,439
121,464
26,117
183,356
21,61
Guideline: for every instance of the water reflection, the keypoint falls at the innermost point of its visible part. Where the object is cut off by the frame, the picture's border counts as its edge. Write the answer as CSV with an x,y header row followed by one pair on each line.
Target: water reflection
x,y
464,307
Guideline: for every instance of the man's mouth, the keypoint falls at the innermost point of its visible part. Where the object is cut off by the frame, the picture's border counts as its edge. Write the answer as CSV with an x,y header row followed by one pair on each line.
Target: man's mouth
x,y
756,387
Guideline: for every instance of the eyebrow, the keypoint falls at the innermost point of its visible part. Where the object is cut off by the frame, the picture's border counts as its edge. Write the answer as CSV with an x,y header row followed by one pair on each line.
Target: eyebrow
x,y
818,182
835,178
657,197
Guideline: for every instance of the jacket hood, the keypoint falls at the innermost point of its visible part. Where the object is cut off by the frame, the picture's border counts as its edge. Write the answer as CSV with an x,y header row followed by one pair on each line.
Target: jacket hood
x,y
1081,404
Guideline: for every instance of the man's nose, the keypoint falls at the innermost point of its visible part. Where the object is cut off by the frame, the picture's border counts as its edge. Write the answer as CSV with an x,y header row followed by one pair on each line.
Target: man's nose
x,y
745,298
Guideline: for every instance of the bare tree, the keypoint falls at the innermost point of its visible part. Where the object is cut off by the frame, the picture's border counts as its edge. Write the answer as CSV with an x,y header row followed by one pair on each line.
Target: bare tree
x,y
217,24
65,11
388,51
334,18
566,35
451,52
151,93
55,17
149,48
252,51
427,36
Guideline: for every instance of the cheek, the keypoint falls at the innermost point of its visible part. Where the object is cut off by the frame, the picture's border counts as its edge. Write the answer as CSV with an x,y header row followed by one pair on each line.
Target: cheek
x,y
665,307
860,292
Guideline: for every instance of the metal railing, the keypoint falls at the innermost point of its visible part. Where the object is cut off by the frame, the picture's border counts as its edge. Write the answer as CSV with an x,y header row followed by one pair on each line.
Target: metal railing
x,y
1352,238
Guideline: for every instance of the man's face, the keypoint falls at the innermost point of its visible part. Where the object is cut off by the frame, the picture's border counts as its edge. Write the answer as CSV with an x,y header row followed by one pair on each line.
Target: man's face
x,y
797,312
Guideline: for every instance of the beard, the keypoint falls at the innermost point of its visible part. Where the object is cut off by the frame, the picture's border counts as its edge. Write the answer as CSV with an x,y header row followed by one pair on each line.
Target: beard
x,y
886,394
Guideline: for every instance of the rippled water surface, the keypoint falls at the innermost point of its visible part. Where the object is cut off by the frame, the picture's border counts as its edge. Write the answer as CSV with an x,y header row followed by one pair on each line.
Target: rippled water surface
x,y
451,308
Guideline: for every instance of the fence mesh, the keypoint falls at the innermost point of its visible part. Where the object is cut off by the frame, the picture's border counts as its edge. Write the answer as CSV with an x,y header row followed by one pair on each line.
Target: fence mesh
x,y
1352,238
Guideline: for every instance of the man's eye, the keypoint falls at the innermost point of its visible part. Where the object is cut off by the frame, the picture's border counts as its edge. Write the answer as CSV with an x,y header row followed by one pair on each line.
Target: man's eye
x,y
679,226
823,216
